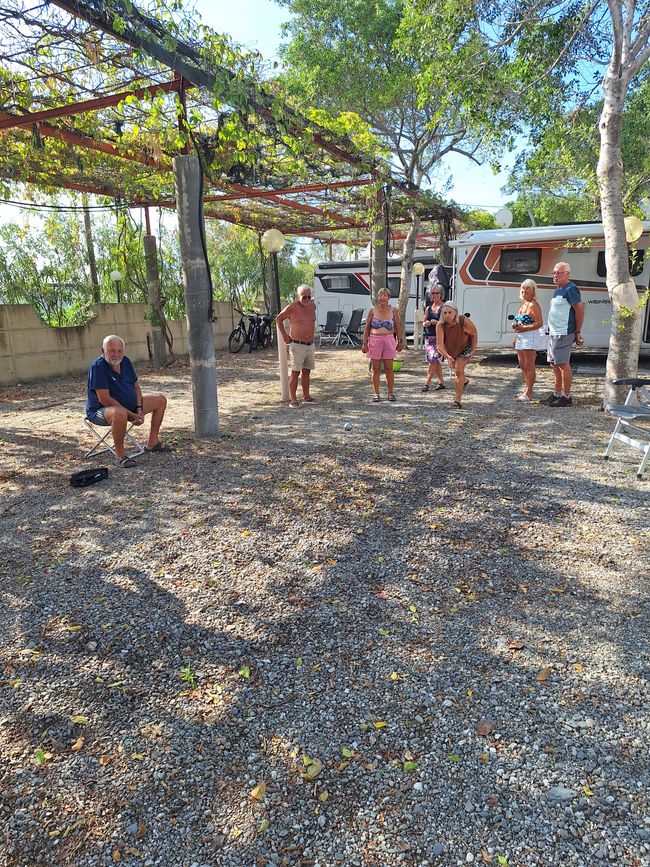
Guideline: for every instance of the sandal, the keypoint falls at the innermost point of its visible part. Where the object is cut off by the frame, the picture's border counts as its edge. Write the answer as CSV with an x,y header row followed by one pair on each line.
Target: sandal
x,y
391,396
440,386
124,462
294,404
425,388
458,404
159,447
376,399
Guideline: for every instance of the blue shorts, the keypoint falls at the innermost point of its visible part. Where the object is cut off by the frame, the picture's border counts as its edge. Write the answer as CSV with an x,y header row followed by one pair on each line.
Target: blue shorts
x,y
98,418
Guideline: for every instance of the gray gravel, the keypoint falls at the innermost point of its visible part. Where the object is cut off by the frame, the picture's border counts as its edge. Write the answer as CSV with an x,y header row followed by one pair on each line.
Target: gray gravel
x,y
425,636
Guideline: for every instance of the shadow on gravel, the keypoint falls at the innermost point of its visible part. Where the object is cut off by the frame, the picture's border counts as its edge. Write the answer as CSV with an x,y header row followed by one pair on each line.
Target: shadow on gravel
x,y
363,598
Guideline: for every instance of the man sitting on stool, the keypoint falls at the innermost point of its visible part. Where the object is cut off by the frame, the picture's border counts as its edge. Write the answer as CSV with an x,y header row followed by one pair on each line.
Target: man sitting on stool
x,y
115,399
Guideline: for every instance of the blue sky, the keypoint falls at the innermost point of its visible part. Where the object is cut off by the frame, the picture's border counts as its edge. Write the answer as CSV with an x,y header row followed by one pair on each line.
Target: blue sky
x,y
256,25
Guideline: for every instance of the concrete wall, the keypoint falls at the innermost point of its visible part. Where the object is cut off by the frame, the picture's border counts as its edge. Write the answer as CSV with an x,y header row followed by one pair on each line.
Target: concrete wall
x,y
30,350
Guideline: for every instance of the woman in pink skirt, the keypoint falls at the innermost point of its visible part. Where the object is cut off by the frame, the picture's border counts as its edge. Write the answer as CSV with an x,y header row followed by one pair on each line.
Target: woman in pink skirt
x,y
380,341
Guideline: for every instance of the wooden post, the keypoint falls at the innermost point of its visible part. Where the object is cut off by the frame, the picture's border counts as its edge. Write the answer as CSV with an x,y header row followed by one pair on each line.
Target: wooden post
x,y
155,305
189,206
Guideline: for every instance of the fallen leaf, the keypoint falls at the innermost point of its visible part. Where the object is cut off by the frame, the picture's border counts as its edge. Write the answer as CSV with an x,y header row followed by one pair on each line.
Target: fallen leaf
x,y
141,832
244,671
394,675
516,645
312,770
72,628
384,632
454,757
485,727
347,752
588,792
117,855
486,858
557,590
331,561
129,850
410,766
236,832
264,826
323,796
577,666
78,744
79,720
380,724
544,674
259,791
502,860
484,758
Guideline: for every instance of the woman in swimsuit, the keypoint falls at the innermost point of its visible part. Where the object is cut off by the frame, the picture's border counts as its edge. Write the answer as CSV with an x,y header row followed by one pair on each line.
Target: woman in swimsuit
x,y
432,357
380,342
530,337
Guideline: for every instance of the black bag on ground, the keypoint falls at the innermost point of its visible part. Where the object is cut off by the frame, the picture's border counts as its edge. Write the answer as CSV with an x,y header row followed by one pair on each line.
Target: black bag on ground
x,y
88,477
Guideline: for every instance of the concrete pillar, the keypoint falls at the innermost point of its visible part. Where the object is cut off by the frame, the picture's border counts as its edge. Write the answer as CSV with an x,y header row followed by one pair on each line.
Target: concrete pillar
x,y
189,207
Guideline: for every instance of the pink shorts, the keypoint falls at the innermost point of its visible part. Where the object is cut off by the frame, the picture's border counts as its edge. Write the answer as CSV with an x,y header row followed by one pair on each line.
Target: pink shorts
x,y
382,347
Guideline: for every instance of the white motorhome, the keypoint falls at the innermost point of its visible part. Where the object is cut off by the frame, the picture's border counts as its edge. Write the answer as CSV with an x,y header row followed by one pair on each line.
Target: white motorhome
x,y
346,285
489,267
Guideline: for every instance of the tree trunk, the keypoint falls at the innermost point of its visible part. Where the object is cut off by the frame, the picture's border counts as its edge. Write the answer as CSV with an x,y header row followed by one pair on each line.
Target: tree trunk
x,y
379,247
266,293
90,246
189,206
406,276
156,303
625,335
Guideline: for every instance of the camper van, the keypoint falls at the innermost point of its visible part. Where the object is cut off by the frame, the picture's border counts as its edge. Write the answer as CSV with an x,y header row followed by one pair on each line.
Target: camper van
x,y
346,285
489,267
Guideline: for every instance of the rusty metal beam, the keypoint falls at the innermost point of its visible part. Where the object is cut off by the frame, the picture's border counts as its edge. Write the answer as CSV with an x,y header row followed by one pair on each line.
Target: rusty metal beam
x,y
86,106
250,193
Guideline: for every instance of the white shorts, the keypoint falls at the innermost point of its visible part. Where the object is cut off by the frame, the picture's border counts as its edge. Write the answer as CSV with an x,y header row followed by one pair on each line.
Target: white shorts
x,y
303,356
531,340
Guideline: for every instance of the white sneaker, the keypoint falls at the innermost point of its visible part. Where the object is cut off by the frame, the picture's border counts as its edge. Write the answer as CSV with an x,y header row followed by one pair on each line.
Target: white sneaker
x,y
523,397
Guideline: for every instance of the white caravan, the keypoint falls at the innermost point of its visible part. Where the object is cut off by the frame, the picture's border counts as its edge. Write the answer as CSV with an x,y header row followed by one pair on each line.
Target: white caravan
x,y
346,285
489,267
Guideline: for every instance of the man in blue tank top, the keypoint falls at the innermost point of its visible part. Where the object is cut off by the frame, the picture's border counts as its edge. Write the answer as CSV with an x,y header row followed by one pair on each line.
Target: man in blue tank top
x,y
565,317
114,399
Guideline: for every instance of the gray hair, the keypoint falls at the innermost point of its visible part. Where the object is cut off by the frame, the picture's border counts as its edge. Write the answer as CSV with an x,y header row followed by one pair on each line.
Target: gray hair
x,y
110,337
529,284
564,265
304,287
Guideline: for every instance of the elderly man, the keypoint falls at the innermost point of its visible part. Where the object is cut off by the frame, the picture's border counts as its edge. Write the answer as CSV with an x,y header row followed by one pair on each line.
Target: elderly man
x,y
565,317
115,399
301,315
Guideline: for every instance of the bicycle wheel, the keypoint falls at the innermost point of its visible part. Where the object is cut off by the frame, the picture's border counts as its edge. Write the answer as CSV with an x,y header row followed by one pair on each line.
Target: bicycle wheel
x,y
267,336
236,340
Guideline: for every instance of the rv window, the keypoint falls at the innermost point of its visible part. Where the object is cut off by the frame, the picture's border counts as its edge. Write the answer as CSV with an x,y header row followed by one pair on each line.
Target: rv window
x,y
636,259
336,283
520,261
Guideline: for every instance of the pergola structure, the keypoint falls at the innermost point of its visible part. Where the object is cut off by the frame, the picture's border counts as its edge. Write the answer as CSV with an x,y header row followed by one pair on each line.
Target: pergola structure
x,y
100,96
153,109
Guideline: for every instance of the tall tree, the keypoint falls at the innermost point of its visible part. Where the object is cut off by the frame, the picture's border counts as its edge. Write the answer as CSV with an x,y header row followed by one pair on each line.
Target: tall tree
x,y
343,55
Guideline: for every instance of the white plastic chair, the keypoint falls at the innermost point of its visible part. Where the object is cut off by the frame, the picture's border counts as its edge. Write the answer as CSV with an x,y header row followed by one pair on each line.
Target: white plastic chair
x,y
635,409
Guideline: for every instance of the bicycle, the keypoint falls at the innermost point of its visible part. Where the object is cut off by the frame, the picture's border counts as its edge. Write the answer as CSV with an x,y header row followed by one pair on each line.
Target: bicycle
x,y
258,332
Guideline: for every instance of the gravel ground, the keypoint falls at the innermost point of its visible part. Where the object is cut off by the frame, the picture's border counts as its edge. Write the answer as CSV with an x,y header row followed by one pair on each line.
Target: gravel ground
x,y
420,641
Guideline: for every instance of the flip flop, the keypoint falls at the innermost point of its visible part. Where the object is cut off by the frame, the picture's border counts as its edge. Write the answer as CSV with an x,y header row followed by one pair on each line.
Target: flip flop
x,y
159,447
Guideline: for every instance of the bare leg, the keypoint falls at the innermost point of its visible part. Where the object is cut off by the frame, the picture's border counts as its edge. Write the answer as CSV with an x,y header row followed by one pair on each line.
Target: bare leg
x,y
521,359
437,369
156,404
293,385
304,382
376,369
459,370
430,371
390,376
557,374
118,420
566,378
531,373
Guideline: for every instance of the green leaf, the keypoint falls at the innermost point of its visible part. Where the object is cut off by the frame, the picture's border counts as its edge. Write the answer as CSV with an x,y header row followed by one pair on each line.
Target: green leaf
x,y
244,671
410,766
454,757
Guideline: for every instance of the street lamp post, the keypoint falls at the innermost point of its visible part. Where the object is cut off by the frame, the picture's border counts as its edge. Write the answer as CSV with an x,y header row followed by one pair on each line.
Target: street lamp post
x,y
116,276
418,270
273,242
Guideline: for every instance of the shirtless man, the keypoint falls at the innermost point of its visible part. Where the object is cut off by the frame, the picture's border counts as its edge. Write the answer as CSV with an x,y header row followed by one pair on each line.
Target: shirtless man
x,y
301,315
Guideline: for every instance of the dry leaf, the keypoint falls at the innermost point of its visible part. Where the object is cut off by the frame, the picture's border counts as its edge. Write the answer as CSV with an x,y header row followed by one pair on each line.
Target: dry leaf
x,y
516,645
380,724
312,770
79,720
116,855
78,744
485,727
544,674
141,832
259,791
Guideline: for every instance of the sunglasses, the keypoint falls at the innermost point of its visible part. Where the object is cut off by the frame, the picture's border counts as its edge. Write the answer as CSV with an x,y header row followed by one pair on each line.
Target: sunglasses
x,y
305,297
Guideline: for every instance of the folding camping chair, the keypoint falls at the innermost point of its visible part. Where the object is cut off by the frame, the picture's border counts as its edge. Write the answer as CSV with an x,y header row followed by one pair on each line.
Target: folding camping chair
x,y
102,445
330,331
350,332
635,409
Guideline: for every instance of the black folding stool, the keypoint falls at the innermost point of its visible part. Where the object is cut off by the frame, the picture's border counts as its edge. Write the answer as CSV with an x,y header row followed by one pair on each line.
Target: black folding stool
x,y
102,445
636,408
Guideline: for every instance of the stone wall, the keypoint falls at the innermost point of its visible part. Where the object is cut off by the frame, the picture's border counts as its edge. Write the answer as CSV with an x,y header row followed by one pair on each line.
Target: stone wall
x,y
30,350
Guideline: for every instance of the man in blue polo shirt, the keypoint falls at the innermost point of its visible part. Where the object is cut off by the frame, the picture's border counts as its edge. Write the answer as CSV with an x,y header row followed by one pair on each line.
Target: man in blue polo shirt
x,y
115,399
565,317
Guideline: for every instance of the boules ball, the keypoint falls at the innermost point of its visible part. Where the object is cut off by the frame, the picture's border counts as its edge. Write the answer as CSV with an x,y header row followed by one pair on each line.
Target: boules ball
x,y
347,426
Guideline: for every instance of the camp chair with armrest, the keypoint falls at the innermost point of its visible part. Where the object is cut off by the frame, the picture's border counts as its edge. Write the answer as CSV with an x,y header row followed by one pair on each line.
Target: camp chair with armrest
x,y
350,332
628,415
102,445
330,331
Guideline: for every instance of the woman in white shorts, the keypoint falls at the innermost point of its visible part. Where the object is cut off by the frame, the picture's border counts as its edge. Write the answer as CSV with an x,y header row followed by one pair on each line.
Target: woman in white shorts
x,y
530,338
